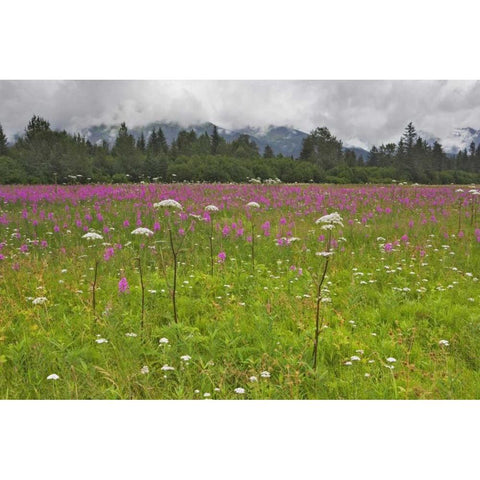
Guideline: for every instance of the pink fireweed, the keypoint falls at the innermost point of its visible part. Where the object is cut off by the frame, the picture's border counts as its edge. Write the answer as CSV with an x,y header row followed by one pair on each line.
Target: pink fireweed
x,y
221,257
123,286
109,252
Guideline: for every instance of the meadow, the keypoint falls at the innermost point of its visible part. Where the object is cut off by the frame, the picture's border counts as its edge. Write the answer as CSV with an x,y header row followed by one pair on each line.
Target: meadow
x,y
87,309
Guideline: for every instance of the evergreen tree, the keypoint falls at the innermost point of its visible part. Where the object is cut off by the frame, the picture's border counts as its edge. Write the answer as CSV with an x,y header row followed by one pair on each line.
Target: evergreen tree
x,y
268,152
438,157
3,142
350,158
129,159
407,163
152,143
409,137
36,127
186,142
162,141
243,147
373,157
203,145
141,143
215,140
476,160
471,157
322,148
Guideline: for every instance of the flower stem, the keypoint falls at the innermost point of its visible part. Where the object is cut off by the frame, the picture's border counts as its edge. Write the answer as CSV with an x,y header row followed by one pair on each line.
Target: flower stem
x,y
143,292
94,287
211,247
317,314
319,300
174,289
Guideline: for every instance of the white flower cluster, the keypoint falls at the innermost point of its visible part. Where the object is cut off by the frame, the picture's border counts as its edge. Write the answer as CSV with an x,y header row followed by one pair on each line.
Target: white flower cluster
x,y
253,205
39,300
331,219
211,208
142,231
324,254
92,236
168,203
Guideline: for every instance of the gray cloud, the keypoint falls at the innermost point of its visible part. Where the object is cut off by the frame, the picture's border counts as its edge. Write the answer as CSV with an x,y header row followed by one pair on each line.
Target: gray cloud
x,y
359,112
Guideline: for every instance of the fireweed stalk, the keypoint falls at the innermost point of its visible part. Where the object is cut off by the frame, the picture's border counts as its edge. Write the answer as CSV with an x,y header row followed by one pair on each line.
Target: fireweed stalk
x,y
475,193
211,209
328,222
172,205
147,233
93,237
252,206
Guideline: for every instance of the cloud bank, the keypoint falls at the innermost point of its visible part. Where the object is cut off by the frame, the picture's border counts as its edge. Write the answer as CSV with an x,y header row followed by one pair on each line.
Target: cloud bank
x,y
361,113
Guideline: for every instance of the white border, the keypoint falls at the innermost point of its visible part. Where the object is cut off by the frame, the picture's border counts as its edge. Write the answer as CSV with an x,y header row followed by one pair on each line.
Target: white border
x,y
245,40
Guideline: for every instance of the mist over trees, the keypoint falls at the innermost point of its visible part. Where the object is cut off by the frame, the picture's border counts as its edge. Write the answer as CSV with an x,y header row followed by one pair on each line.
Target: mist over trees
x,y
43,155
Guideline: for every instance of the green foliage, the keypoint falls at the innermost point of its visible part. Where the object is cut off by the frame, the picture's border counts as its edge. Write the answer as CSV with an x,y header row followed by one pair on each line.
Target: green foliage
x,y
11,172
322,148
234,325
3,142
43,155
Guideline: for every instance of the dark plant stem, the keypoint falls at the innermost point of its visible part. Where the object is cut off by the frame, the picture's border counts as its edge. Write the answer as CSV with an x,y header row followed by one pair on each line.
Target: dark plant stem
x,y
143,292
174,289
319,300
317,315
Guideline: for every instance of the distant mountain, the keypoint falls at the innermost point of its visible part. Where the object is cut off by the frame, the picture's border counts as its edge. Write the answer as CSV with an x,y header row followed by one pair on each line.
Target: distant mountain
x,y
359,152
458,139
283,140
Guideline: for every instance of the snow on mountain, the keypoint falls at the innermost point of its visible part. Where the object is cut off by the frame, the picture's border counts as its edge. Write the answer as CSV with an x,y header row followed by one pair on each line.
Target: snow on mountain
x,y
284,140
458,139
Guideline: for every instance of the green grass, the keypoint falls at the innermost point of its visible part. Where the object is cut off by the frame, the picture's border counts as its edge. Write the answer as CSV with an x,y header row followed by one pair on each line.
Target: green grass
x,y
236,324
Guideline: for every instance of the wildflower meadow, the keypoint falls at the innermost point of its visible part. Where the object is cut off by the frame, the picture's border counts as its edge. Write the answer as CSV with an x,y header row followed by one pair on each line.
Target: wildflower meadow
x,y
239,291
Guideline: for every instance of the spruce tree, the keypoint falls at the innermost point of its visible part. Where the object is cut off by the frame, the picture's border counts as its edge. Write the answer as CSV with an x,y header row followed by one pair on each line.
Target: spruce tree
x,y
215,140
141,143
162,141
152,143
268,152
3,142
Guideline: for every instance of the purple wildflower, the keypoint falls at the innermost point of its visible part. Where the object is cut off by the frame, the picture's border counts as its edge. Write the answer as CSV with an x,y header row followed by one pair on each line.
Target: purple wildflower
x,y
123,285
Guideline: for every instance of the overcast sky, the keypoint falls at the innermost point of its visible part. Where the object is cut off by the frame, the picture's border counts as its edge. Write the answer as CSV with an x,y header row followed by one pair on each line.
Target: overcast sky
x,y
360,113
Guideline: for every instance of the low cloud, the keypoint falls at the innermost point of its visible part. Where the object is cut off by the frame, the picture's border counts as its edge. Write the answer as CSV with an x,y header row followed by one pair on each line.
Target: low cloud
x,y
358,112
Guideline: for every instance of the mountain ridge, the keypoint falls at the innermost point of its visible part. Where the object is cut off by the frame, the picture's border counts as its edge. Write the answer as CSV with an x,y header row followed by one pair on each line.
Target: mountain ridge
x,y
284,140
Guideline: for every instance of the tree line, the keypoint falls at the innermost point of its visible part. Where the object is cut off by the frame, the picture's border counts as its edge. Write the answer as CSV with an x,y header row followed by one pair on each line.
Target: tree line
x,y
44,155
